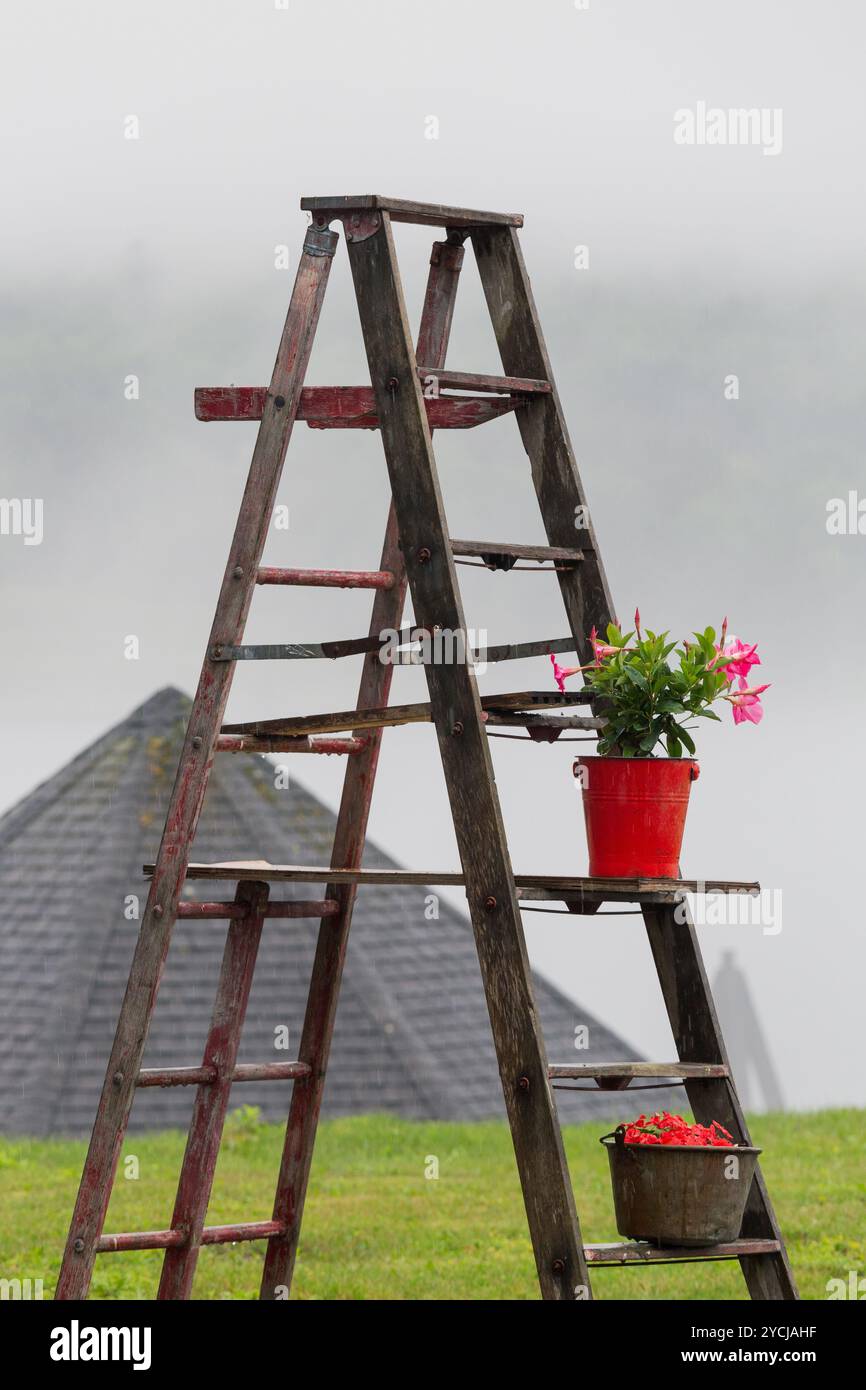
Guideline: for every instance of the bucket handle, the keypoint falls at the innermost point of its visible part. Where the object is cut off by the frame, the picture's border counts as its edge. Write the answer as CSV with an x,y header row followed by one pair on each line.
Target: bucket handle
x,y
617,1135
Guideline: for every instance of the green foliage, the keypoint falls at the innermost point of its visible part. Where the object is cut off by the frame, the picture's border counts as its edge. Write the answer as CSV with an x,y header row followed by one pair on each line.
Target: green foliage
x,y
647,700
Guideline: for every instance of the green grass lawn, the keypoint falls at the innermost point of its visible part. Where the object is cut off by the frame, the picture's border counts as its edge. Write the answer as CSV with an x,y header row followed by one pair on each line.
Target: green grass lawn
x,y
377,1227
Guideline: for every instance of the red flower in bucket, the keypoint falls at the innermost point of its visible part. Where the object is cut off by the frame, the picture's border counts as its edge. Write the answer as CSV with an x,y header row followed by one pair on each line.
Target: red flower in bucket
x,y
673,1129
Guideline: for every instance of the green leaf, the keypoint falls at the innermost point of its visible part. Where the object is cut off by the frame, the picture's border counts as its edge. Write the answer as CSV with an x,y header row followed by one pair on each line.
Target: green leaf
x,y
636,677
674,747
687,739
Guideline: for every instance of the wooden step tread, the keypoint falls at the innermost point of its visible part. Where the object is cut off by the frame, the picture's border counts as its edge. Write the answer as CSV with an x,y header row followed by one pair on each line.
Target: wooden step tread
x,y
405,210
642,1252
531,886
631,1070
359,646
552,553
350,407
485,383
387,716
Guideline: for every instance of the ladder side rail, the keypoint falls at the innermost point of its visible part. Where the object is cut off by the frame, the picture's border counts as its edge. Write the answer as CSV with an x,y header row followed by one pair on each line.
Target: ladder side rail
x,y
435,328
468,769
196,758
698,1036
585,591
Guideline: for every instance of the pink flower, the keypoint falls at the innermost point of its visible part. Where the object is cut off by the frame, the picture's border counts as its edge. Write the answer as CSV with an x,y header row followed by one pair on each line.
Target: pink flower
x,y
745,657
747,702
561,672
602,649
637,621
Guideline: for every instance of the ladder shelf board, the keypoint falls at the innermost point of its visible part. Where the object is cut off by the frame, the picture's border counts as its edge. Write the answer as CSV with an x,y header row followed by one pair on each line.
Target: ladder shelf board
x,y
349,407
641,1252
554,886
484,382
595,1070
348,721
408,649
561,553
405,210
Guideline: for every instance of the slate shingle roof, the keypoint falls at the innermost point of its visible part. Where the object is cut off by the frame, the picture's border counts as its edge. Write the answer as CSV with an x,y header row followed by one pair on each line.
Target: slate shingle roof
x,y
412,1034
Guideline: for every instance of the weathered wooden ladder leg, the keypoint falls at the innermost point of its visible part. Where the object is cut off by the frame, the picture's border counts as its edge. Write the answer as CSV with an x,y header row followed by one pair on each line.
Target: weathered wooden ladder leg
x,y
587,602
196,758
350,836
697,1034
212,1100
561,498
468,768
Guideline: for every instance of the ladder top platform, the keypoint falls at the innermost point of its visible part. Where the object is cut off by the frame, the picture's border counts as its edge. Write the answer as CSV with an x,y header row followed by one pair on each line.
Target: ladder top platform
x,y
402,210
542,885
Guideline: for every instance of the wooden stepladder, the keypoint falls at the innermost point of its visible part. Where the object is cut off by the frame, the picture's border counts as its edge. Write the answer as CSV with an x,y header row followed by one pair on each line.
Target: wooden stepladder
x,y
417,551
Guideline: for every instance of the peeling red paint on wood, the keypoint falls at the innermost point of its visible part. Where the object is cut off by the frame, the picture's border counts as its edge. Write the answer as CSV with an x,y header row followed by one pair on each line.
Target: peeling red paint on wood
x,y
327,579
346,407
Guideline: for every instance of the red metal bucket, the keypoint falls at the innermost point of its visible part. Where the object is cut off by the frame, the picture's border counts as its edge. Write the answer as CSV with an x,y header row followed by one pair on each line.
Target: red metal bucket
x,y
635,813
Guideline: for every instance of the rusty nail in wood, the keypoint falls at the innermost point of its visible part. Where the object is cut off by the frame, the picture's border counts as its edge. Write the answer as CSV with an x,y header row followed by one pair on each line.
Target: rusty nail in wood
x,y
393,383
157,911
118,1078
558,1266
196,743
457,729
78,1246
238,571
523,1083
489,904
423,556
217,653
279,402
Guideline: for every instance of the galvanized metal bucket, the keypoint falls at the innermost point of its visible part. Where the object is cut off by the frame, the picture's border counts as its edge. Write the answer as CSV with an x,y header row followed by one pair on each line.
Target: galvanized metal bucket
x,y
679,1194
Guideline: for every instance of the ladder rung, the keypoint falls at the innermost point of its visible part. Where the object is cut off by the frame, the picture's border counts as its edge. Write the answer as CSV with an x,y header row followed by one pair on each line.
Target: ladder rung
x,y
167,1240
327,907
404,210
327,579
481,381
530,886
503,554
391,715
206,1076
642,1252
250,743
348,407
357,646
545,721
615,1071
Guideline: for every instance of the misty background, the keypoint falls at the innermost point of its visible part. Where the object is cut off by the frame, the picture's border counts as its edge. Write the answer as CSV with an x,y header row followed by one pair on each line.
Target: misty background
x,y
157,257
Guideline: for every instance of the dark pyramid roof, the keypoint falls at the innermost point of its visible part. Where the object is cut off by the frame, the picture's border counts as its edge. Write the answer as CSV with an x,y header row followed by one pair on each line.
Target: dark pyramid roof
x,y
412,1034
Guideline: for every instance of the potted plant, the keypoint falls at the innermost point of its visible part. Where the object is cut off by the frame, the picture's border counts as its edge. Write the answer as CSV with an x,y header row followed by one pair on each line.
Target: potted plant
x,y
651,692
676,1183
